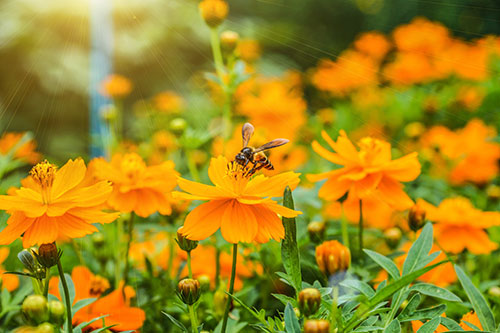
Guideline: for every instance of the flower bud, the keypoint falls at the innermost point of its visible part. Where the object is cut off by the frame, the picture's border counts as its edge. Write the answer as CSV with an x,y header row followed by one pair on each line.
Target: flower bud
x,y
184,243
27,260
220,299
494,291
204,282
316,326
45,328
214,12
316,231
493,192
35,307
416,217
48,255
178,125
392,237
189,291
229,40
309,301
332,257
98,240
57,312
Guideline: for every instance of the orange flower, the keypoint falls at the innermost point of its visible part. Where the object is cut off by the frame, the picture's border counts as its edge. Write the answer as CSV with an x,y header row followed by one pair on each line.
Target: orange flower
x,y
116,86
115,305
168,102
373,44
8,281
470,151
369,171
54,204
273,104
351,71
24,152
470,317
460,226
137,187
241,207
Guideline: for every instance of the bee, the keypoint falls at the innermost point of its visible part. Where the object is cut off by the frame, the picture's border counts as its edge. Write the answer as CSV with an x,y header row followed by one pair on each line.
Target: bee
x,y
253,155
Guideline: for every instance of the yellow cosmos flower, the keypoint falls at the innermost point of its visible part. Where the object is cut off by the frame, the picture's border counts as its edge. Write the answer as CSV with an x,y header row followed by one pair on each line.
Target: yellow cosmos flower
x,y
240,206
55,204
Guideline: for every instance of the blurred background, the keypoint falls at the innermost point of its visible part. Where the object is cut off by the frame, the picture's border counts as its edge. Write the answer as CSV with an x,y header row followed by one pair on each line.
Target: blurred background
x,y
164,45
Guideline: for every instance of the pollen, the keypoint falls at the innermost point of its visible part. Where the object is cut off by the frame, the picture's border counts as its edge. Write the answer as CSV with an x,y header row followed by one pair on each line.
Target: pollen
x,y
237,171
132,165
98,285
44,173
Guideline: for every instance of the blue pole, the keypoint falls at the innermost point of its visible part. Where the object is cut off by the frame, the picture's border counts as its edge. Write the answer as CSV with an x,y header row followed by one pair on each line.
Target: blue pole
x,y
101,52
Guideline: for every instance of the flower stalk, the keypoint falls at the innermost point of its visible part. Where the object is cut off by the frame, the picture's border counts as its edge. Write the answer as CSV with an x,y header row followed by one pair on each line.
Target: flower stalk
x,y
231,288
192,317
360,229
67,300
129,242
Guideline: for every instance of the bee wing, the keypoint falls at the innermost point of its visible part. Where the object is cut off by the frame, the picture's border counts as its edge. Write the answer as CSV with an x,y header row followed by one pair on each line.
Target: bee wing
x,y
272,144
246,133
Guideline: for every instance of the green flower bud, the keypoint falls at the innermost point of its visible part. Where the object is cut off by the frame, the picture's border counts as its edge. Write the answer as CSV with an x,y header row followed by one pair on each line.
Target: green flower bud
x,y
204,282
309,301
189,291
45,328
178,125
184,243
35,307
27,260
416,218
220,299
57,312
393,237
316,231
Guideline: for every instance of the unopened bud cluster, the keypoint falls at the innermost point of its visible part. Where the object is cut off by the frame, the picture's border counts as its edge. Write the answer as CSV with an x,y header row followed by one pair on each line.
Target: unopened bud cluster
x,y
38,311
309,301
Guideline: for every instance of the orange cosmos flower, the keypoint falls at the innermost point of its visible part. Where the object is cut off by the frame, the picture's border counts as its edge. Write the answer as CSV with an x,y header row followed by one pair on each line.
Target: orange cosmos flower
x,y
369,171
137,187
115,305
8,281
116,86
25,152
168,102
241,207
373,44
54,204
460,226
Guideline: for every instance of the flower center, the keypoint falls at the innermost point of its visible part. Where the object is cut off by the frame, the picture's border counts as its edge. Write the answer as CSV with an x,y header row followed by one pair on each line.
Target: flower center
x,y
98,285
43,174
237,171
370,149
132,165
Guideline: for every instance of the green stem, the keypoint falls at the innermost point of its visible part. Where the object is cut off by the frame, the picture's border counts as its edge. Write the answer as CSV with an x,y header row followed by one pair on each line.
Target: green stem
x,y
360,229
77,251
129,241
67,300
118,250
190,272
231,288
217,268
192,317
216,51
334,313
46,286
170,256
345,232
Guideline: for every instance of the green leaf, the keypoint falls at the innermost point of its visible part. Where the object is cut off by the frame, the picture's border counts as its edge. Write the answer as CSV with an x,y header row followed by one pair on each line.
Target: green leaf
x,y
411,307
450,324
430,326
71,288
176,322
289,248
393,327
360,286
82,303
419,250
384,262
435,291
291,322
285,299
477,299
427,313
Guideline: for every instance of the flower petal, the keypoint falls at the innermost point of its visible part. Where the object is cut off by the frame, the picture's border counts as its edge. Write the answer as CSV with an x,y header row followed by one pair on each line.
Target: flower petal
x,y
283,211
270,225
404,169
68,177
73,227
16,226
203,190
262,186
204,220
391,191
334,188
239,223
43,230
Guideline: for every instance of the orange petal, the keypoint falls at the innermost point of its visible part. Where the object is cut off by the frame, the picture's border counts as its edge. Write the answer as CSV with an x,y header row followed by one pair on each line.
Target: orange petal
x,y
82,278
404,169
16,226
68,177
238,223
217,172
334,188
204,220
367,185
262,186
123,202
203,190
147,203
391,192
43,230
73,227
90,215
283,211
270,225
326,154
